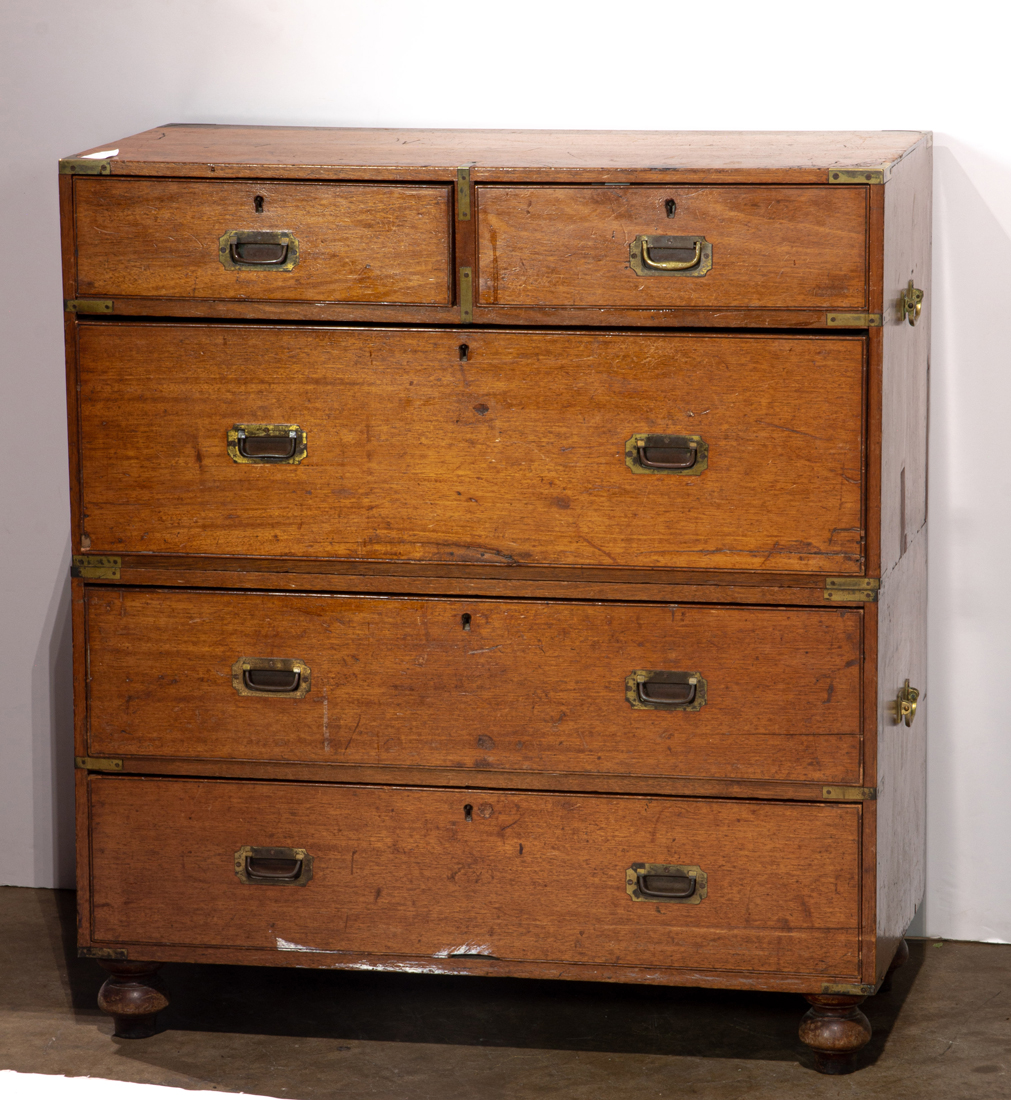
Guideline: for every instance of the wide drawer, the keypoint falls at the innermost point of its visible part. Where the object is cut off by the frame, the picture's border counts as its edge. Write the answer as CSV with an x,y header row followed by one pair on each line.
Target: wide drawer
x,y
465,446
760,247
401,871
263,240
480,684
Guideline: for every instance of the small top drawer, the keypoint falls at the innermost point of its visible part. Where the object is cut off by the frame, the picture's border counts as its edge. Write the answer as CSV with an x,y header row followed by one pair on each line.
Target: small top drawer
x,y
265,240
638,247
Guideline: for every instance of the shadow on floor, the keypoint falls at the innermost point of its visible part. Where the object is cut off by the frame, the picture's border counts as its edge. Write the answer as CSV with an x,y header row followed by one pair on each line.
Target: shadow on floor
x,y
477,1011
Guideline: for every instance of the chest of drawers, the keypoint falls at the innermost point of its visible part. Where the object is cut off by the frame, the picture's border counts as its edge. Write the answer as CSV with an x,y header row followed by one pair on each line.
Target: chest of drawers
x,y
509,547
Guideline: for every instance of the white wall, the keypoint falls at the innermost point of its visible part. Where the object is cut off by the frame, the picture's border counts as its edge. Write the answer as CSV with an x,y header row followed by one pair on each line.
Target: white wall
x,y
84,73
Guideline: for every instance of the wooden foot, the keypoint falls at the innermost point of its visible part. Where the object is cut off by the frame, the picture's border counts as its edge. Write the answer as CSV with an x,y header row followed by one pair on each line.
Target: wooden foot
x,y
835,1029
133,995
901,956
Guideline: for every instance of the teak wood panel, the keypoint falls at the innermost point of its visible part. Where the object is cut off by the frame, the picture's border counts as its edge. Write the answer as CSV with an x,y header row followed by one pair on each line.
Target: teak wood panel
x,y
356,153
511,455
356,243
478,684
773,247
529,877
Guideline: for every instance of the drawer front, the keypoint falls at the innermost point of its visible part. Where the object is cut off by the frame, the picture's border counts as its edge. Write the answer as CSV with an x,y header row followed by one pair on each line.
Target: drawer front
x,y
528,877
523,453
451,683
348,242
771,247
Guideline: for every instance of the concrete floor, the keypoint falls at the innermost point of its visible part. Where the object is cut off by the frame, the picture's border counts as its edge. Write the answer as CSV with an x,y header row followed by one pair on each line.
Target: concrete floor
x,y
943,1031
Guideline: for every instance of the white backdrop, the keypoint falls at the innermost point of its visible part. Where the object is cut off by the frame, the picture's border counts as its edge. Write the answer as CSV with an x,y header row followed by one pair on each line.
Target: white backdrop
x,y
82,73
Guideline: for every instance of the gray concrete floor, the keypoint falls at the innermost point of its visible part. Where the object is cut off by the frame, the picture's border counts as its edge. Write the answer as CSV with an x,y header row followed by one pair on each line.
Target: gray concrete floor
x,y
943,1031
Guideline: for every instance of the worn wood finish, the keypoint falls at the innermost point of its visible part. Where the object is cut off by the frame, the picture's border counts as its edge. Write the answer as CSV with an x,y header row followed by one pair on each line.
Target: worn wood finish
x,y
514,456
902,647
356,243
773,247
529,877
647,156
521,686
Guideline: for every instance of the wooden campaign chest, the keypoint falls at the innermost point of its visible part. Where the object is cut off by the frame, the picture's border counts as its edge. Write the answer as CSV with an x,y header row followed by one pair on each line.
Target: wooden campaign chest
x,y
500,553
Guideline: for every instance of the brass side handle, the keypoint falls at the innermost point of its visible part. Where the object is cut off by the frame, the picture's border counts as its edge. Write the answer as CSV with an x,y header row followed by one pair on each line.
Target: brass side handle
x,y
649,453
690,257
253,250
277,677
267,444
273,866
662,689
905,704
910,304
665,882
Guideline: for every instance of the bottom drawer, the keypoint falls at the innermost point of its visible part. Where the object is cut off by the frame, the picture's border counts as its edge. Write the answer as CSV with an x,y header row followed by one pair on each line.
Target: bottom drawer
x,y
443,873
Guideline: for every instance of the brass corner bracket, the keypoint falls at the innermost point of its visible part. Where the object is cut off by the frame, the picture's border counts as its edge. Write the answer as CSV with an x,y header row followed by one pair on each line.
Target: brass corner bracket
x,y
93,567
852,589
856,175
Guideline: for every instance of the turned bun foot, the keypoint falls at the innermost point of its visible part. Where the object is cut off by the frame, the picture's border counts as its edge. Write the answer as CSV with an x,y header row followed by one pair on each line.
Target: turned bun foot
x,y
133,995
901,956
835,1029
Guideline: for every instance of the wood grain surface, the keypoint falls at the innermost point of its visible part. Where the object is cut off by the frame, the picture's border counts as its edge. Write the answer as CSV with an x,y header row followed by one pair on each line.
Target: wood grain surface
x,y
478,684
529,877
356,243
362,153
514,456
773,247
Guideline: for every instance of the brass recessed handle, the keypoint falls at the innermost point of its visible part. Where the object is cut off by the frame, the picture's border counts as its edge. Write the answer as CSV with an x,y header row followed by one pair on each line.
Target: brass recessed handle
x,y
253,250
273,866
267,444
665,255
280,677
662,689
910,304
684,884
648,453
905,704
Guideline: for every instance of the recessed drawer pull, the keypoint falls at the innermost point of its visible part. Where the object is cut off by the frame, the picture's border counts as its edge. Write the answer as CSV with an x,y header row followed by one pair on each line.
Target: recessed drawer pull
x,y
660,689
646,453
282,677
267,444
250,250
656,691
661,255
666,882
666,886
273,866
269,679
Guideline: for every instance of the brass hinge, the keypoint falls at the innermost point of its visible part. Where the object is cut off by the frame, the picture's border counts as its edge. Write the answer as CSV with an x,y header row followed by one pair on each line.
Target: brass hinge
x,y
857,175
84,166
848,989
98,763
850,794
88,305
463,194
102,953
466,295
852,589
853,320
91,567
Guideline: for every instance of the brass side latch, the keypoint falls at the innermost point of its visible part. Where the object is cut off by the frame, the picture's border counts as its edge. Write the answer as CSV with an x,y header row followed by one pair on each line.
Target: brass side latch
x,y
910,304
905,704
